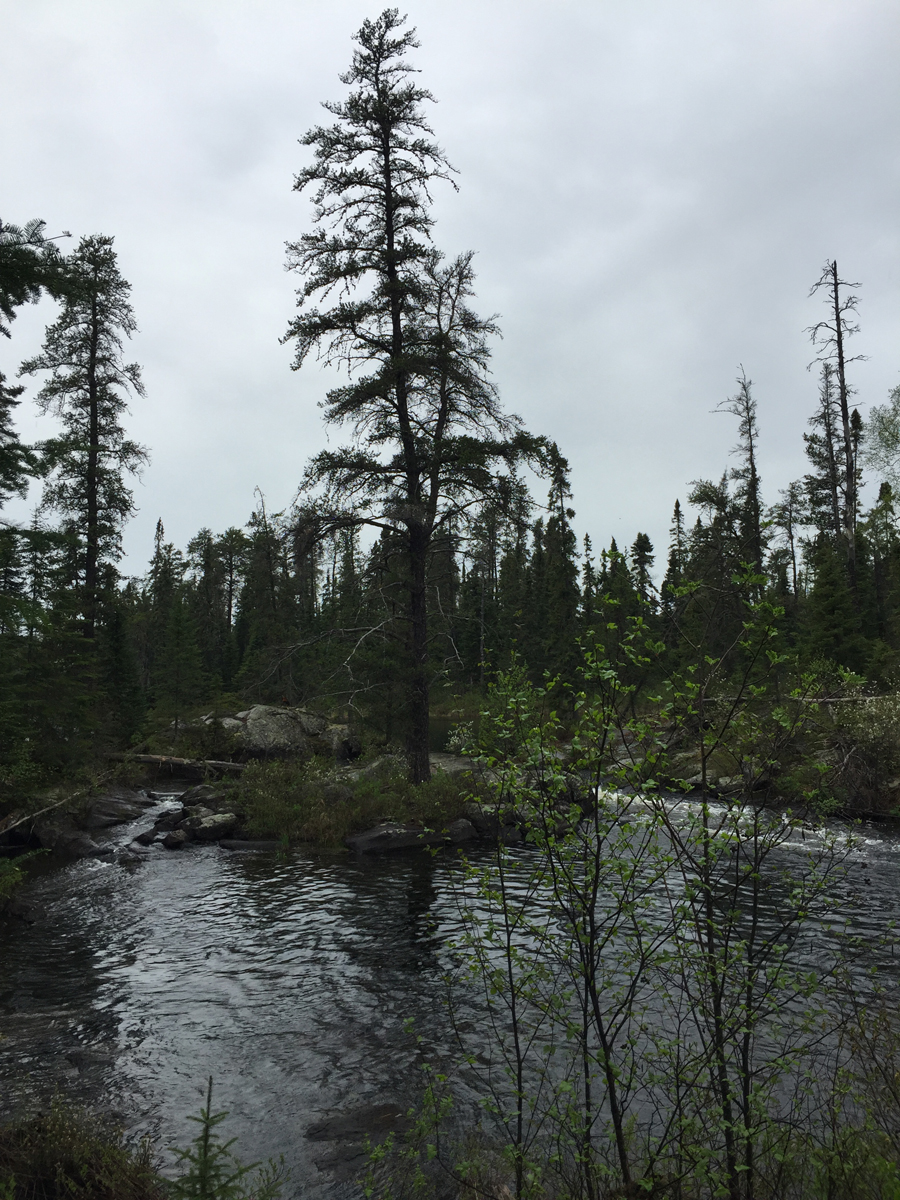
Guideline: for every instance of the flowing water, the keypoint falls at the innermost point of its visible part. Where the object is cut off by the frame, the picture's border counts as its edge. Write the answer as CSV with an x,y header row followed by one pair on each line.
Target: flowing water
x,y
289,981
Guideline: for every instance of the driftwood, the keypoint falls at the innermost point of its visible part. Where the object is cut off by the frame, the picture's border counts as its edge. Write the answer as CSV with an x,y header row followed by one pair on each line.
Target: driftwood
x,y
165,760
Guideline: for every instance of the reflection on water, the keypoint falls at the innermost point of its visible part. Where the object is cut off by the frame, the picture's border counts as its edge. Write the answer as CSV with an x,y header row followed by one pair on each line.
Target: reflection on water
x,y
288,981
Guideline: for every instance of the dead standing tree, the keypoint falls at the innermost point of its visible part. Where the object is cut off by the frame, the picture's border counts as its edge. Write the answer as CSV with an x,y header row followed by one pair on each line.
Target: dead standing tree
x,y
829,338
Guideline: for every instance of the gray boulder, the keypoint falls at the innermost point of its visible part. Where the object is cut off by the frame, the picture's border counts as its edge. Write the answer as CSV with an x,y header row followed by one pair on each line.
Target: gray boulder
x,y
461,830
451,764
175,839
207,794
381,768
63,836
269,730
193,815
484,817
215,826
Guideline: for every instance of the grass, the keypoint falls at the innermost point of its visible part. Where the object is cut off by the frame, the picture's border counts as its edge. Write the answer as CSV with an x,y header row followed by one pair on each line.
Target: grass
x,y
306,802
67,1154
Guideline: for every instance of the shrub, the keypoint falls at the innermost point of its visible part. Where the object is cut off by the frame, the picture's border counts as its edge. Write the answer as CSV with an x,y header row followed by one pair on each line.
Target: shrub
x,y
307,802
67,1154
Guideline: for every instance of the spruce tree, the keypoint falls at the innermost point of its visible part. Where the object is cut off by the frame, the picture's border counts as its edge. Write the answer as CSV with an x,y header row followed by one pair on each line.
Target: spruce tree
x,y
88,390
428,433
748,495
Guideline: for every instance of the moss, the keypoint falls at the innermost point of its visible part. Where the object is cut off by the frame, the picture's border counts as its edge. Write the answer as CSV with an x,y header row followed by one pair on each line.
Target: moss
x,y
308,802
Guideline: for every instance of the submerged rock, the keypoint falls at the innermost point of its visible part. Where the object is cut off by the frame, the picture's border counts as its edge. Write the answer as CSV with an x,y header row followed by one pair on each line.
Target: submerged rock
x,y
393,835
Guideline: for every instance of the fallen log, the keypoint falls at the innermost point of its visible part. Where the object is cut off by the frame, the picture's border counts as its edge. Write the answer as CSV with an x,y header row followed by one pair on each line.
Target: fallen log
x,y
15,819
166,760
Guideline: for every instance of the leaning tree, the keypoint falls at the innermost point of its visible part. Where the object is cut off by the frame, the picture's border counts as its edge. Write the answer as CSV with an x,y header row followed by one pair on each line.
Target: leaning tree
x,y
428,437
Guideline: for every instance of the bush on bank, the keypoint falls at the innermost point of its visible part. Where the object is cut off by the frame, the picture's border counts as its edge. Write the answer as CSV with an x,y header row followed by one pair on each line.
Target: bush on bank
x,y
68,1154
307,802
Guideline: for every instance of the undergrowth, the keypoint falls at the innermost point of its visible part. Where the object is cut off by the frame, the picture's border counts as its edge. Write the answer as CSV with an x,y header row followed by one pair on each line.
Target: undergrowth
x,y
305,802
68,1154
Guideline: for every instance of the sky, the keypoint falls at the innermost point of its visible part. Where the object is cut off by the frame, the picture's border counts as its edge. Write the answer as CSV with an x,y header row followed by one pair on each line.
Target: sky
x,y
651,189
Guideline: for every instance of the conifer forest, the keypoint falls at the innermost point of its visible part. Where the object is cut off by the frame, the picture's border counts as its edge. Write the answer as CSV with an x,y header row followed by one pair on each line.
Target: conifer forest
x,y
641,771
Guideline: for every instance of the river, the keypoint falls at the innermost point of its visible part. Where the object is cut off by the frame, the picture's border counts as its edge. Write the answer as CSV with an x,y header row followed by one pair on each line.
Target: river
x,y
287,980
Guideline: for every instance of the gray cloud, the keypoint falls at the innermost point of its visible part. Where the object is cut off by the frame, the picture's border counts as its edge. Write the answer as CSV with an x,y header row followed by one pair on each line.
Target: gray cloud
x,y
651,188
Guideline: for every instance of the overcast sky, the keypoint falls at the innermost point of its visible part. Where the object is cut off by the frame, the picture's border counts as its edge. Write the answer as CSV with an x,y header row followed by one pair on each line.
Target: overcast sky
x,y
651,188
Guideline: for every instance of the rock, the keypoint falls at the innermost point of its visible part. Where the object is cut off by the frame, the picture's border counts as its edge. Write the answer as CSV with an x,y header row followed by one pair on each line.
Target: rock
x,y
64,837
146,837
451,764
193,815
511,835
24,910
175,839
730,783
484,817
461,830
231,724
215,826
248,844
110,810
381,768
168,821
341,742
269,730
206,794
129,855
393,835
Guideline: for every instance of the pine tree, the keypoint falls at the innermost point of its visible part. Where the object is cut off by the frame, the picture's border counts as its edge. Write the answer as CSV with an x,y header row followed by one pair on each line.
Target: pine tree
x,y
748,496
825,485
788,518
429,435
29,265
674,578
87,389
642,558
179,681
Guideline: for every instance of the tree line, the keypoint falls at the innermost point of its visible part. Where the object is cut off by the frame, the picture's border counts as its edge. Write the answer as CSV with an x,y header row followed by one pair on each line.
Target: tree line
x,y
415,561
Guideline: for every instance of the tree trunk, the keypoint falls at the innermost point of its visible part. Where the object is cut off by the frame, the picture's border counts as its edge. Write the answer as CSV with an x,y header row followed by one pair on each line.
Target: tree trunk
x,y
92,552
417,730
849,458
